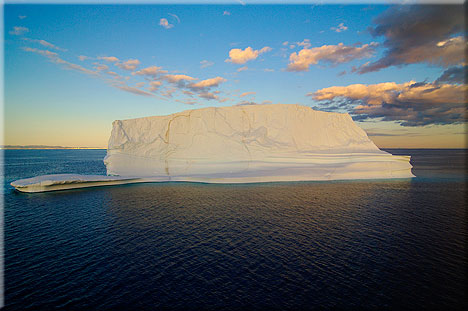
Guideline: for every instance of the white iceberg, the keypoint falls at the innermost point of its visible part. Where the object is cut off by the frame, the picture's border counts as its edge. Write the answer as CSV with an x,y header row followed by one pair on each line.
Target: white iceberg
x,y
239,144
254,143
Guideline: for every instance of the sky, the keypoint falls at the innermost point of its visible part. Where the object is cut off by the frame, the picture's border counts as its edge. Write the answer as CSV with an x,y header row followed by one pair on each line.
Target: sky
x,y
70,70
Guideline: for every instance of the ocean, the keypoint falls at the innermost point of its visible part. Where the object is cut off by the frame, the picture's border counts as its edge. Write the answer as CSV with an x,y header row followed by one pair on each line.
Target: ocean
x,y
373,244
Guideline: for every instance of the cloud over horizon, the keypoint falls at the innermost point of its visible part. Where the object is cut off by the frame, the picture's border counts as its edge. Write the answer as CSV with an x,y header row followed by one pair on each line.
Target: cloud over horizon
x,y
409,103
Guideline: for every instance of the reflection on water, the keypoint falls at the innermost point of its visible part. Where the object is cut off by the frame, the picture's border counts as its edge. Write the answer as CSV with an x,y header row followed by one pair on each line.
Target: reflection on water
x,y
375,244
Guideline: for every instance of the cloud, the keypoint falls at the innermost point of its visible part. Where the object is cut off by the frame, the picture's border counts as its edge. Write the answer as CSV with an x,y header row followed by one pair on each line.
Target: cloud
x,y
409,104
168,93
208,96
175,16
133,90
130,64
44,43
140,84
334,54
306,43
239,56
82,57
268,70
18,31
205,63
54,57
226,13
178,78
46,53
454,75
420,34
154,85
186,101
115,74
22,16
208,83
152,71
164,23
341,27
110,59
242,68
101,67
247,93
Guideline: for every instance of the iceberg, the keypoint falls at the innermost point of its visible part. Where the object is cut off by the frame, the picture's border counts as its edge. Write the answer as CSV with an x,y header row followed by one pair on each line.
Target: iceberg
x,y
253,143
238,144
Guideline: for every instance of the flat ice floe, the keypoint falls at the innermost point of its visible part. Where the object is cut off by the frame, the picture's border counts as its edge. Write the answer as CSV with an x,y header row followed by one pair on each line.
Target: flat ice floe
x,y
69,181
239,144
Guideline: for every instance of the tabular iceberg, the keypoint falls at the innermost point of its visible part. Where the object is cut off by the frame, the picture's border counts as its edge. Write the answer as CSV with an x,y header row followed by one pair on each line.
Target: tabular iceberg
x,y
239,144
254,143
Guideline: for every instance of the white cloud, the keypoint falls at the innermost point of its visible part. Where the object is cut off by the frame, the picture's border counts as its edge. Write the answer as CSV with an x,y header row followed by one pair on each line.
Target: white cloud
x,y
246,94
168,93
208,96
239,56
133,90
213,82
115,74
175,16
164,23
54,57
110,59
82,57
101,67
154,85
341,27
242,68
18,31
130,64
226,13
44,43
306,43
150,71
205,63
178,78
333,54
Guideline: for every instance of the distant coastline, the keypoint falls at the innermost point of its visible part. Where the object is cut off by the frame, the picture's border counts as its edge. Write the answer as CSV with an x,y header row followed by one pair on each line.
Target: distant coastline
x,y
8,147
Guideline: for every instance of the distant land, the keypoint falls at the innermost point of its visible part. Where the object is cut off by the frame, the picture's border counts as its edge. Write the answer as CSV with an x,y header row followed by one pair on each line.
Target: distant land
x,y
44,147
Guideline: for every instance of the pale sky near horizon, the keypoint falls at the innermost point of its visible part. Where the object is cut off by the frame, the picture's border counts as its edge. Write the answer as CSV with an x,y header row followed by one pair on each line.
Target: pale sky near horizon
x,y
70,70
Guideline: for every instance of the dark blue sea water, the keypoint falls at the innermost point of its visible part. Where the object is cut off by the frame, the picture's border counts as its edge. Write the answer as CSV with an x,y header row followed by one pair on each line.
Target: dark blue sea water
x,y
378,244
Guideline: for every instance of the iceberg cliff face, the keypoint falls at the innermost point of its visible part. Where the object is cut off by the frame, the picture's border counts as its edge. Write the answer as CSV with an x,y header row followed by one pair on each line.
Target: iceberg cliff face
x,y
249,144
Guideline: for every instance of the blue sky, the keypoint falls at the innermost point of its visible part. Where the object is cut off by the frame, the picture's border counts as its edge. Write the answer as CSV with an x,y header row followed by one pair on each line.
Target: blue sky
x,y
70,70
